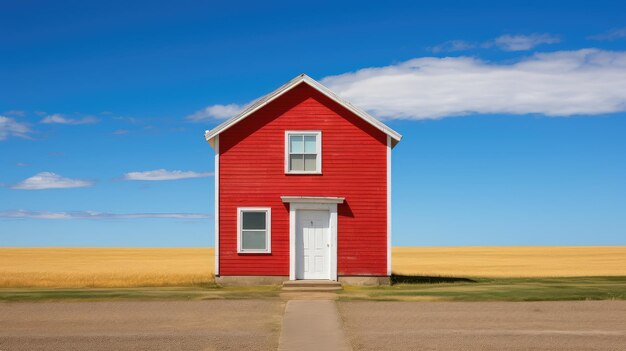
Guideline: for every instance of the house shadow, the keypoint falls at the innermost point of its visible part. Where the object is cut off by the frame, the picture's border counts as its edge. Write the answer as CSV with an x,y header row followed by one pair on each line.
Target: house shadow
x,y
424,279
345,210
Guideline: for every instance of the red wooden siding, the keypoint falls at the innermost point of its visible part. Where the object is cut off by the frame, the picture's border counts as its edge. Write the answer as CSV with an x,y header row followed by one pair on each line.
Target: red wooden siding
x,y
353,166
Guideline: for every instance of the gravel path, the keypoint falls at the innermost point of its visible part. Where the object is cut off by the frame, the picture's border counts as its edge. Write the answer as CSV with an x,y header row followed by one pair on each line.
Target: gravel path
x,y
572,325
122,325
312,325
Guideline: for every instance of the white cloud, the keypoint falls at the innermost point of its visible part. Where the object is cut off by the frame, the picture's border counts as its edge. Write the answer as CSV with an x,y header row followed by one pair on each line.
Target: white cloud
x,y
10,127
562,83
565,83
216,112
121,131
163,174
509,42
60,119
452,45
49,180
97,215
614,34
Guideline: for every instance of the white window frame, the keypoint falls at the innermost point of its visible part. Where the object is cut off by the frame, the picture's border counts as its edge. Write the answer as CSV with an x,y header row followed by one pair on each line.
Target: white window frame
x,y
268,227
318,144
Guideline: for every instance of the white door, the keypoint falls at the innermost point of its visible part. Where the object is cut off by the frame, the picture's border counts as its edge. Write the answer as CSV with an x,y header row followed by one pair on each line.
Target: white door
x,y
312,244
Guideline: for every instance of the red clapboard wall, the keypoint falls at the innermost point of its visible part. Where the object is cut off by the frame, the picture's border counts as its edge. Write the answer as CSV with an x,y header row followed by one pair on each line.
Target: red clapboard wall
x,y
354,165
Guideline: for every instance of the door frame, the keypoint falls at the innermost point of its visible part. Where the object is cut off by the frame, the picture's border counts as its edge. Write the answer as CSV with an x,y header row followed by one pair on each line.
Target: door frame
x,y
313,203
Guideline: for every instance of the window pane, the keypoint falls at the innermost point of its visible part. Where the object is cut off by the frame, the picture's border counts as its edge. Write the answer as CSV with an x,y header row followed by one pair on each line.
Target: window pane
x,y
253,220
296,162
310,144
295,144
310,163
253,240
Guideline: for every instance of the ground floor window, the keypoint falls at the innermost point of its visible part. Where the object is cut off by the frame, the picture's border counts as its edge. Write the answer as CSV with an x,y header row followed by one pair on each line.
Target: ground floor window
x,y
254,230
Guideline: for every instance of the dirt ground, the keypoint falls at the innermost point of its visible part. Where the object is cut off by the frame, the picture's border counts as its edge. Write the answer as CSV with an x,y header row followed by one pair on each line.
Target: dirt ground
x,y
255,325
572,325
123,325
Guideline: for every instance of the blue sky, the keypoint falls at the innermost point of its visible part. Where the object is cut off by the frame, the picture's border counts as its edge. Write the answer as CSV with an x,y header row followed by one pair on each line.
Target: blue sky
x,y
513,113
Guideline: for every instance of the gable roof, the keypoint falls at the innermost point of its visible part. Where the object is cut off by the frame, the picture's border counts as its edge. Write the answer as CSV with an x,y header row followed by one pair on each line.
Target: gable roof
x,y
209,135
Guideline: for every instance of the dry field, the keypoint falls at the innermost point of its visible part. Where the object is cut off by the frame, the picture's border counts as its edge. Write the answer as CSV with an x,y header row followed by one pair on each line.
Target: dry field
x,y
104,267
126,267
511,261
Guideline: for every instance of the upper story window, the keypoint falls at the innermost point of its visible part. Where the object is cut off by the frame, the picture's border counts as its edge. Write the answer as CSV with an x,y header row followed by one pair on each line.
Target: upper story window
x,y
303,152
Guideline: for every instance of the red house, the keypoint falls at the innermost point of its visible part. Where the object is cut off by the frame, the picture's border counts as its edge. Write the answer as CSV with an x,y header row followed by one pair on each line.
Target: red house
x,y
302,190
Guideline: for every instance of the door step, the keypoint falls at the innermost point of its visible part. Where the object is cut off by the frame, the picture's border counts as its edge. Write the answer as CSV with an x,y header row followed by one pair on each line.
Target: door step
x,y
311,285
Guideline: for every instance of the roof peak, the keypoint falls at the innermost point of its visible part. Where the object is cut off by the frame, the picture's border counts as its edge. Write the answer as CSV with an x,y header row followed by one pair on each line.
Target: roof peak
x,y
303,77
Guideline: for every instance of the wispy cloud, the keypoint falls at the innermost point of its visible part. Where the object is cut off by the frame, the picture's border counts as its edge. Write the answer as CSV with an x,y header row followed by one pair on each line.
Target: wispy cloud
x,y
163,174
60,119
22,164
507,42
126,119
19,113
524,42
215,112
49,180
565,83
9,127
121,131
611,35
452,45
98,215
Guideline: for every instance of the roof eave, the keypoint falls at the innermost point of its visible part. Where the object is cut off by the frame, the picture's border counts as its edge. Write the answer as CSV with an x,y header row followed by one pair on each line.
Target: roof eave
x,y
210,140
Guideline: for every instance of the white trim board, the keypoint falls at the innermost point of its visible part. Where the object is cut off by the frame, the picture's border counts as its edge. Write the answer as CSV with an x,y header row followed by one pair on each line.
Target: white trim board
x,y
312,199
388,206
216,219
209,135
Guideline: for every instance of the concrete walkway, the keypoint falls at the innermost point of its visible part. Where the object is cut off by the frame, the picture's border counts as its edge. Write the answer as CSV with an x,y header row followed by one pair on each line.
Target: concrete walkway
x,y
312,325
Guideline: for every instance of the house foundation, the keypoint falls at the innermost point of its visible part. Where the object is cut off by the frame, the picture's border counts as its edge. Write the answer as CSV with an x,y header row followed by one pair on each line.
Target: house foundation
x,y
252,280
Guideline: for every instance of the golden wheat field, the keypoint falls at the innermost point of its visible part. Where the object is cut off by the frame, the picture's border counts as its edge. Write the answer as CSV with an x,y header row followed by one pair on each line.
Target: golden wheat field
x,y
511,261
104,267
127,267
